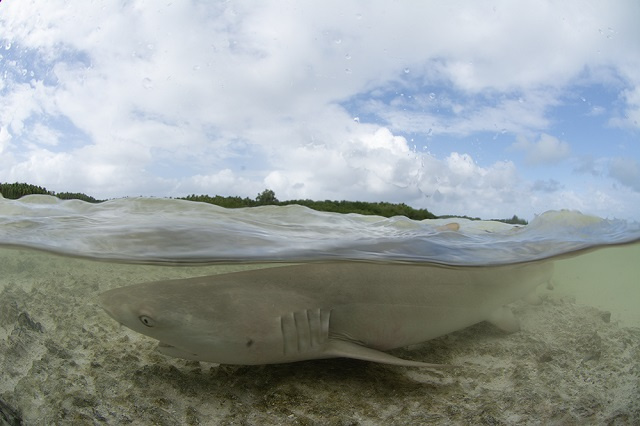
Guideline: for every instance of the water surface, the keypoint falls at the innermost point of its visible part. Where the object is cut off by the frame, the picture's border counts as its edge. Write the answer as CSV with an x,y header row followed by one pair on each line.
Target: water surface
x,y
176,231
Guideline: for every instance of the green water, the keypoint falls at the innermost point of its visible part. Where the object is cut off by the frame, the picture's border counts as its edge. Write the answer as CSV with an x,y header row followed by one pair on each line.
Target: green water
x,y
608,279
64,361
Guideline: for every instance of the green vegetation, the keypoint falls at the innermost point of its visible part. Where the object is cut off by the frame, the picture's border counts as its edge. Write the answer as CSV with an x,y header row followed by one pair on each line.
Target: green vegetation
x,y
77,196
16,190
266,197
515,220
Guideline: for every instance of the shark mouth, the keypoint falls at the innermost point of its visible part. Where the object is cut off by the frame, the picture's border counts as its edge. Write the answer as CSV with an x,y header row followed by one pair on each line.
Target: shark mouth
x,y
170,350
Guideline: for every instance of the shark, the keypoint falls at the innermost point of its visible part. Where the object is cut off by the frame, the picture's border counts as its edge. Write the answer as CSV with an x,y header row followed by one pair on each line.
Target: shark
x,y
312,311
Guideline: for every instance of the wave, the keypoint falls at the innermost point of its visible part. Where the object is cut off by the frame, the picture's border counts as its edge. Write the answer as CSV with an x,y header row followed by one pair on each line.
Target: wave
x,y
158,230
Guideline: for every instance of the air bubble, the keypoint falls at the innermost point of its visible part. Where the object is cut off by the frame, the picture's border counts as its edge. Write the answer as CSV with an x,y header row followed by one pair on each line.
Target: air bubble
x,y
347,70
347,56
432,96
147,83
7,45
356,120
407,70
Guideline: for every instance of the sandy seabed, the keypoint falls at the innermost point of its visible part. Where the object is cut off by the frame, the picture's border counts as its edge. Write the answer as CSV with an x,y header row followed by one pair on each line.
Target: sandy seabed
x,y
64,361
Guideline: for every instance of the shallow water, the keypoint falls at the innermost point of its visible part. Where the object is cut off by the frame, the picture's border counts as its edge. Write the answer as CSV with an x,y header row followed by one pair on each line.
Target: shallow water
x,y
575,360
64,361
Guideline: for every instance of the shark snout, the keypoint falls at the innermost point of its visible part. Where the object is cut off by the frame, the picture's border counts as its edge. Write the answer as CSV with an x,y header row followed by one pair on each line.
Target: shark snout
x,y
113,303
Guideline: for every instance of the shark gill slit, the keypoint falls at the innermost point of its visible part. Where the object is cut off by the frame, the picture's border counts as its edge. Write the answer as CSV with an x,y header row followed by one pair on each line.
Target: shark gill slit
x,y
304,330
289,335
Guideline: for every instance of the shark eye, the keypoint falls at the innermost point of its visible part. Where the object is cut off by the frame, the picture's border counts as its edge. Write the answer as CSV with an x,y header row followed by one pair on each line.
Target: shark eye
x,y
147,321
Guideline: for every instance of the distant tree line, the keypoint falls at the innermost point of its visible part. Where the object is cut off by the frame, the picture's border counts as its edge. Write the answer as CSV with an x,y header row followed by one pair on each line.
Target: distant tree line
x,y
266,197
16,190
515,220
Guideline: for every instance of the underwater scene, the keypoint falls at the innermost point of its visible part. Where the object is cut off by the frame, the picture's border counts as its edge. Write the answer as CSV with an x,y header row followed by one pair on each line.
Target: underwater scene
x,y
406,315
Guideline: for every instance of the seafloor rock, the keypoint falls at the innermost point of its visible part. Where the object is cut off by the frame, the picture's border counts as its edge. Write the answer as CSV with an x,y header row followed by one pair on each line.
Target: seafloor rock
x,y
8,416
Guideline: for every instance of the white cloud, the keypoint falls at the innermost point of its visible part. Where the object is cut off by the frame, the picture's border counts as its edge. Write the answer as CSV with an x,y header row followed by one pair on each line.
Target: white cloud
x,y
5,138
626,171
631,116
231,97
547,149
550,185
436,114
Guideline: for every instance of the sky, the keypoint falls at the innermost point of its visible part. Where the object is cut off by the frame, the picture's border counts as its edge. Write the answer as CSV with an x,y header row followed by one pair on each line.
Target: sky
x,y
485,109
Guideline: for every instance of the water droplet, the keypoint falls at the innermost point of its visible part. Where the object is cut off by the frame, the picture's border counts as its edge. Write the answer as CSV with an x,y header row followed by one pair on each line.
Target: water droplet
x,y
432,96
407,70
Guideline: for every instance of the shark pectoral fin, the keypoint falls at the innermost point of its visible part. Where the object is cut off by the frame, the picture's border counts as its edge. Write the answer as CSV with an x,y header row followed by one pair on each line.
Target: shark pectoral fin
x,y
504,319
346,349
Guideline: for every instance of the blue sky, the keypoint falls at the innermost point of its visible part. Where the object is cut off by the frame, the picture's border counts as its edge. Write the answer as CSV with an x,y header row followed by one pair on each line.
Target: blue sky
x,y
477,108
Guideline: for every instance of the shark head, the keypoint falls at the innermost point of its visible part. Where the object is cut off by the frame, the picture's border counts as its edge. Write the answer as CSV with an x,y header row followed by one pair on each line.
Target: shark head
x,y
186,324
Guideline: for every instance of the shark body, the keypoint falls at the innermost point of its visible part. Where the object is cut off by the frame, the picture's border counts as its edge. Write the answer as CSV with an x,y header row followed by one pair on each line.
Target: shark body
x,y
319,310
